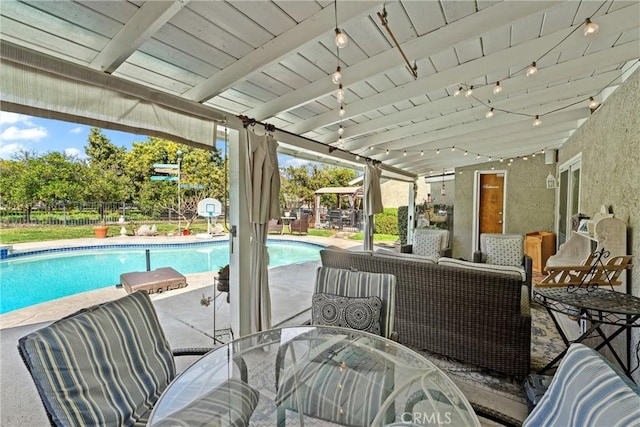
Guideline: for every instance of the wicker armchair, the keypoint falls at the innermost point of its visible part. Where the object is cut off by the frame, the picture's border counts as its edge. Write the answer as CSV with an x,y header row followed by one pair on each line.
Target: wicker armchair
x,y
300,225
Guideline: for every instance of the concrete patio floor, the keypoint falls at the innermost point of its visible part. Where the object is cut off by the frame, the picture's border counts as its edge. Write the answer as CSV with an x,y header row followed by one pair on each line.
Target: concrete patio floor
x,y
186,322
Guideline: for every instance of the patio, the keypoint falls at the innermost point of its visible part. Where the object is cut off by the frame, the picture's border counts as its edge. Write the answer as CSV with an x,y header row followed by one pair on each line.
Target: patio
x,y
190,324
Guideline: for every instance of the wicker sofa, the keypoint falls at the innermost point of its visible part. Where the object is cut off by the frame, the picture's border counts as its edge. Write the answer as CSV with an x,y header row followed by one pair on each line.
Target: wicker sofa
x,y
477,317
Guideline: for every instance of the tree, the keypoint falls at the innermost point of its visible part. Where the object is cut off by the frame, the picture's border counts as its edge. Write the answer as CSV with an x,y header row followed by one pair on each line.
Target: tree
x,y
300,183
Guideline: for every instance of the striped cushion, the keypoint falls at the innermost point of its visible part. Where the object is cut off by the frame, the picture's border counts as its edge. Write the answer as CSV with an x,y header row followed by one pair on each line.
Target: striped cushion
x,y
587,391
230,404
347,389
105,365
517,272
347,283
386,253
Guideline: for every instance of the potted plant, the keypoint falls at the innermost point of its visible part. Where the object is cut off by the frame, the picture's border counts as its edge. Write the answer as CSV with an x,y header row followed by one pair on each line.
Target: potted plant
x,y
101,230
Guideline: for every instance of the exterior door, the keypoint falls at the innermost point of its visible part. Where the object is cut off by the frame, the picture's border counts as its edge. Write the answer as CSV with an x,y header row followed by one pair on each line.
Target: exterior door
x,y
491,203
568,197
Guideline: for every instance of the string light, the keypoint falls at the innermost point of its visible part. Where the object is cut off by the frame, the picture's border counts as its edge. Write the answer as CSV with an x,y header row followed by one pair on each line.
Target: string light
x,y
341,39
342,112
497,88
340,95
469,92
422,152
336,77
533,68
458,91
593,104
590,28
489,113
537,121
340,130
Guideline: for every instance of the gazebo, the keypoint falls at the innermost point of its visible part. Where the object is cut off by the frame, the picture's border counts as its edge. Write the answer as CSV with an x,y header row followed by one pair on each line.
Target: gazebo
x,y
337,218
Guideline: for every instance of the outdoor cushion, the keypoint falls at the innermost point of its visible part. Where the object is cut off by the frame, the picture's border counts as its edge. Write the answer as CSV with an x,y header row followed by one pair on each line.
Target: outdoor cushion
x,y
427,244
587,390
362,314
504,251
386,253
105,365
348,283
513,271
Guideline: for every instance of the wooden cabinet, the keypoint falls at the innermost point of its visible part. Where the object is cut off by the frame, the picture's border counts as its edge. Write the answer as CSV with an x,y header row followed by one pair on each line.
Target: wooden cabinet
x,y
539,245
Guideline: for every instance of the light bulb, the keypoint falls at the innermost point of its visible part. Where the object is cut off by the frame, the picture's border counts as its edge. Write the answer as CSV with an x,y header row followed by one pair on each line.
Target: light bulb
x,y
478,156
387,152
469,92
342,112
593,103
590,28
489,114
537,121
466,152
357,157
422,152
340,95
336,77
532,69
340,130
437,151
490,158
404,153
501,160
453,149
457,92
340,142
341,39
497,88
525,158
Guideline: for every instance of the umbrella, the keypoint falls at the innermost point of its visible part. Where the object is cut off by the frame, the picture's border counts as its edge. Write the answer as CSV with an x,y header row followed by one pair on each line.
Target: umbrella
x,y
372,200
263,179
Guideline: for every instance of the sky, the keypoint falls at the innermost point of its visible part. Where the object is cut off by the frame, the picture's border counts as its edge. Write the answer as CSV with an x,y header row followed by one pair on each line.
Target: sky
x,y
19,132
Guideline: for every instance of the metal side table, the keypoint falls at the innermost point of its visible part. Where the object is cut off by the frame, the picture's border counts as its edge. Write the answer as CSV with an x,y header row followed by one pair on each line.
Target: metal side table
x,y
598,306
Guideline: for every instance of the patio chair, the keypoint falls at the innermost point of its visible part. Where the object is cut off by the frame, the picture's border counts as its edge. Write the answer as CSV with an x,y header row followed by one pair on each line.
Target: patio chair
x,y
429,242
505,249
300,225
275,226
108,365
322,386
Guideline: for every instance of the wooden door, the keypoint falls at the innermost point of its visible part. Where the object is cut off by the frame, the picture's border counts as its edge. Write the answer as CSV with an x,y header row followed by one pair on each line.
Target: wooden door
x,y
490,213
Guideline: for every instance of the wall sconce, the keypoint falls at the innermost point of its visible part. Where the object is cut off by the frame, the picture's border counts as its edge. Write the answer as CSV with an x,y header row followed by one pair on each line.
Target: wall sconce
x,y
551,182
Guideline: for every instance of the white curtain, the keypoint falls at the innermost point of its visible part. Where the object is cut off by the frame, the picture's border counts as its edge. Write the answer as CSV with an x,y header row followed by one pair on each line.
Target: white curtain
x,y
372,201
263,200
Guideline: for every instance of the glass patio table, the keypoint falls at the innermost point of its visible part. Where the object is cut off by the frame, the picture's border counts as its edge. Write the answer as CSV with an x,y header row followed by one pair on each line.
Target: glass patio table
x,y
254,378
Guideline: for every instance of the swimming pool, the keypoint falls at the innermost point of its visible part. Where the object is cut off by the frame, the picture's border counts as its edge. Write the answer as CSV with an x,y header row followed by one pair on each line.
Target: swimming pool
x,y
47,275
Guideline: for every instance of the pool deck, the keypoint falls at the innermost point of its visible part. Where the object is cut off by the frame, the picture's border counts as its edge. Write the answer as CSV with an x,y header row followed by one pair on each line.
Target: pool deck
x,y
187,323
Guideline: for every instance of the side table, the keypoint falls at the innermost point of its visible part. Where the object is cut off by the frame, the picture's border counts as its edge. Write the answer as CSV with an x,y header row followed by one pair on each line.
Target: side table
x,y
598,306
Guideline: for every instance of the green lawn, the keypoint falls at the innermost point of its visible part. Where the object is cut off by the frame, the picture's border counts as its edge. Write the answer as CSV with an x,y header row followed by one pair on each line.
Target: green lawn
x,y
42,233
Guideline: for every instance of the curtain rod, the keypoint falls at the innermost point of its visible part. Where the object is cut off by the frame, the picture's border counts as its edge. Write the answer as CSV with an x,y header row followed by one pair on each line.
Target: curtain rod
x,y
248,121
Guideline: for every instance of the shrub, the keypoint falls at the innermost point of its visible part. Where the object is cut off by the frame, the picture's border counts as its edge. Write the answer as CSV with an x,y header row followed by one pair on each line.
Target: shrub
x,y
387,221
403,217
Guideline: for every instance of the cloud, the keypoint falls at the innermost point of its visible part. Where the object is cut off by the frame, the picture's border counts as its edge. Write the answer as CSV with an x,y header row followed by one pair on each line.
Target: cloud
x,y
13,133
13,118
74,152
296,163
76,130
7,151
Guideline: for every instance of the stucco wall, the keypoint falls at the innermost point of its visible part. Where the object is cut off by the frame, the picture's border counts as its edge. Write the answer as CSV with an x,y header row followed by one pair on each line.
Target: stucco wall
x,y
610,145
396,193
529,204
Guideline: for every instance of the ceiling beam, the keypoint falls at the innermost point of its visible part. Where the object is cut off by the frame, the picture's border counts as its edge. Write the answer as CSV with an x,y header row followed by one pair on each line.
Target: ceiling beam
x,y
149,18
615,23
449,35
274,50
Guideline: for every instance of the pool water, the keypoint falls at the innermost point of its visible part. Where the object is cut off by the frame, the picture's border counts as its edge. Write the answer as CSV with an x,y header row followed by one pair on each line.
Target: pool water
x,y
30,280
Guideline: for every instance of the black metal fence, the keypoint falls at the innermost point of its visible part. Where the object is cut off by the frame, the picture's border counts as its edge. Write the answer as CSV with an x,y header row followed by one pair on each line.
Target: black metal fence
x,y
81,213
